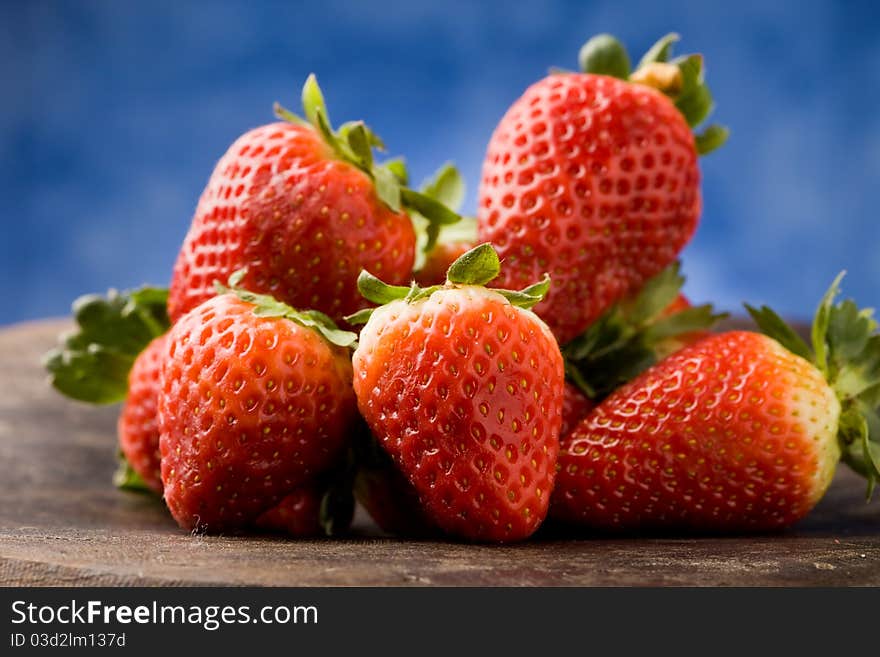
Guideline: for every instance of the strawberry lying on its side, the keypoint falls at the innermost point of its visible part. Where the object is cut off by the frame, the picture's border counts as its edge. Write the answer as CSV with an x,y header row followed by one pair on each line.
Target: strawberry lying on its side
x,y
114,355
592,177
739,431
138,425
255,402
462,386
629,338
304,208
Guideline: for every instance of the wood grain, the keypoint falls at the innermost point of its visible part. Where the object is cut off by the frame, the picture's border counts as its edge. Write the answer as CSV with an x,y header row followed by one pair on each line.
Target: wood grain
x,y
63,523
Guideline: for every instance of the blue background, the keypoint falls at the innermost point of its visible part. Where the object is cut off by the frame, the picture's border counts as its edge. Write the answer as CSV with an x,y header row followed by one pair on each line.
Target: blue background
x,y
113,114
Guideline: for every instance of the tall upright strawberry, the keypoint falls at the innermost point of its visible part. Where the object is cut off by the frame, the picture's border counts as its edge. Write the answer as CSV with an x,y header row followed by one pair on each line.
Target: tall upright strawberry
x,y
738,431
592,177
304,208
462,386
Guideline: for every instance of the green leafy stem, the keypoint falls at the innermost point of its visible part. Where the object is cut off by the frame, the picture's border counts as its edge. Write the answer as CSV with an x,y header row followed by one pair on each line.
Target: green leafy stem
x,y
478,266
354,142
845,347
633,335
605,55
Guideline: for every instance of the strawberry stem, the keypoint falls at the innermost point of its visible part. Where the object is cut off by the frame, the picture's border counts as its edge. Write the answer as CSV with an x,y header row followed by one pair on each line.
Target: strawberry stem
x,y
266,305
681,79
354,142
476,267
846,350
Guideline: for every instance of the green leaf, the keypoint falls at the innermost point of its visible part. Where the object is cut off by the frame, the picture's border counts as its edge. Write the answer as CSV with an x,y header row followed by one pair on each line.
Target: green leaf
x,y
323,125
286,115
696,318
476,267
324,325
631,336
265,305
528,297
859,431
360,146
432,209
853,349
820,324
313,102
375,290
656,295
712,138
91,362
661,51
362,316
604,55
125,478
397,167
388,188
446,186
695,100
772,325
435,212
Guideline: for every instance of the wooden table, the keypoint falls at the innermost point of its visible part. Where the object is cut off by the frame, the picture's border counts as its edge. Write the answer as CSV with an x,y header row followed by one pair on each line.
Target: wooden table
x,y
63,523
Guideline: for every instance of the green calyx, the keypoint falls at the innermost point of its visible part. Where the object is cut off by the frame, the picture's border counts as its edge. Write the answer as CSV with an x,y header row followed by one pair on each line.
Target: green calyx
x,y
633,335
845,347
478,266
354,142
91,363
125,477
681,78
266,305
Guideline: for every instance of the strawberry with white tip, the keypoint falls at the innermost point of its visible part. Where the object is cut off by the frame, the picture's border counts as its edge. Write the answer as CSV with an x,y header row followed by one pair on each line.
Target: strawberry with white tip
x,y
740,431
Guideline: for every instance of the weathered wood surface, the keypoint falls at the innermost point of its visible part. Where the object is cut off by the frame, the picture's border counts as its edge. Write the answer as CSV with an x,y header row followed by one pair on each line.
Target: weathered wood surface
x,y
63,523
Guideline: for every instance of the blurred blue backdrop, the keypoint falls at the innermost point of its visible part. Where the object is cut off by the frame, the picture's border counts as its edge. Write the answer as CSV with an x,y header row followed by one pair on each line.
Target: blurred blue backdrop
x,y
113,114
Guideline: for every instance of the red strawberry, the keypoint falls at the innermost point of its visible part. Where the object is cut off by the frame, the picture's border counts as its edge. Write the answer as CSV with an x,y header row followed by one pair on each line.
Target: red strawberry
x,y
138,426
734,432
297,514
576,402
255,402
387,495
462,386
593,178
433,271
324,506
304,209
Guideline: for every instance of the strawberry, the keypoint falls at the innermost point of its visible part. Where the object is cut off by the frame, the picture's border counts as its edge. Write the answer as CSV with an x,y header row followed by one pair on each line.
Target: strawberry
x,y
593,178
387,495
322,506
635,347
297,514
462,386
741,430
138,425
303,208
433,271
113,355
255,401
